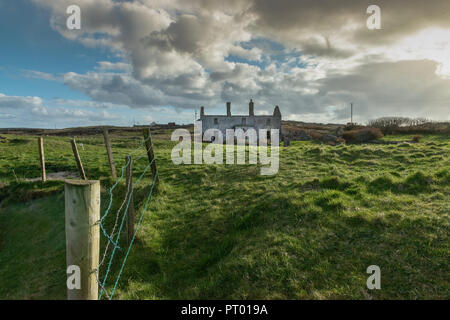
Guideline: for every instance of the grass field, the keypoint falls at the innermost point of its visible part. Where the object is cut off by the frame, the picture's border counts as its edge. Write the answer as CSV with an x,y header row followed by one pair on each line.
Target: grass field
x,y
226,232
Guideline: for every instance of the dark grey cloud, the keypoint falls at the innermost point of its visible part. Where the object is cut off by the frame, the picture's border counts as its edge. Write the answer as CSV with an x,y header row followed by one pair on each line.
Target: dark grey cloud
x,y
297,20
114,88
323,48
393,88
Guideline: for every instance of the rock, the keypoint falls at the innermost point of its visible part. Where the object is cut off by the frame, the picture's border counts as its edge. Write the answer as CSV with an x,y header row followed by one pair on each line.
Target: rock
x,y
339,132
300,135
329,138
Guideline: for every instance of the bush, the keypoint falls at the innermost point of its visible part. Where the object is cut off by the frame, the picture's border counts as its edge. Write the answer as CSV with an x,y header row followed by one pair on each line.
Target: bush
x,y
362,135
352,126
395,125
314,135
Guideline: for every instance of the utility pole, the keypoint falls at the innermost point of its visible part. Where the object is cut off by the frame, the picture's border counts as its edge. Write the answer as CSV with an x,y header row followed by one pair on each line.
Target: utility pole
x,y
351,112
195,115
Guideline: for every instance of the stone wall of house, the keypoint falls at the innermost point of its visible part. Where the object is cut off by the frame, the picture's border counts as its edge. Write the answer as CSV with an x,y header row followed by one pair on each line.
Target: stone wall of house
x,y
224,122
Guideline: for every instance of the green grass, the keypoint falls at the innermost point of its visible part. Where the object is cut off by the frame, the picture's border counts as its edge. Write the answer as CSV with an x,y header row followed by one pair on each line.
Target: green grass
x,y
226,232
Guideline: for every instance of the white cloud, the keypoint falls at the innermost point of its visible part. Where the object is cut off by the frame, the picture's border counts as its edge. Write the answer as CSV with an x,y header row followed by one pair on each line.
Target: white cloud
x,y
20,108
72,114
34,74
17,102
114,66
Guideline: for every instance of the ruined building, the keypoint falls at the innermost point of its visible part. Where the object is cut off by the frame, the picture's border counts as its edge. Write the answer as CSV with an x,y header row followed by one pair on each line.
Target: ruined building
x,y
228,121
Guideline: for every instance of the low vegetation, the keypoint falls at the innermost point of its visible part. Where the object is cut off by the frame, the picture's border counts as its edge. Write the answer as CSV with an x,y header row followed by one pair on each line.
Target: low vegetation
x,y
226,232
362,135
404,125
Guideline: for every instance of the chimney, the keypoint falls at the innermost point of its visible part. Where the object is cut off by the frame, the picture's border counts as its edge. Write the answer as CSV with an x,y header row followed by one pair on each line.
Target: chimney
x,y
228,109
202,111
251,108
276,112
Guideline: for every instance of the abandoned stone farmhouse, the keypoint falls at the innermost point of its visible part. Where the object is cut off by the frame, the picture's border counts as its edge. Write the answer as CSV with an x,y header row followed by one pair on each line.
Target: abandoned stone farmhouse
x,y
245,122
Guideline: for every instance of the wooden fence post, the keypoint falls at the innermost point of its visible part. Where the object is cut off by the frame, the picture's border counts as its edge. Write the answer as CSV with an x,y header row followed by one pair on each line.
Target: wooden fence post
x,y
110,155
129,186
82,211
150,153
42,157
77,159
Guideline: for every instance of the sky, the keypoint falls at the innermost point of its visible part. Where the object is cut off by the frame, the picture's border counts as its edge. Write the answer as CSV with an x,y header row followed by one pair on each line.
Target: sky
x,y
135,62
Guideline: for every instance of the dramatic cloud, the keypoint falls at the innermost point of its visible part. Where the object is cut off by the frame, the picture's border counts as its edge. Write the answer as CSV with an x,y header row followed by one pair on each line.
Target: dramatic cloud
x,y
345,20
395,88
312,58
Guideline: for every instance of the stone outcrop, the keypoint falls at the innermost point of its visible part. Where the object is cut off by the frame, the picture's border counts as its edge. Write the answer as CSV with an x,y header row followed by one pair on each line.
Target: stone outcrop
x,y
300,135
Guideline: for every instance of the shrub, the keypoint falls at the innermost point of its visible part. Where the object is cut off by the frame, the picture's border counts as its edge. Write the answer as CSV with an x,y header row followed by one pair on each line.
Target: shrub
x,y
362,135
314,134
391,125
352,126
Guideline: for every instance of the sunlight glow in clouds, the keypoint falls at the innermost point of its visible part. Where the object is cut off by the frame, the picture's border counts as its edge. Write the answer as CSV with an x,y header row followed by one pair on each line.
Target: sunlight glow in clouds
x,y
432,44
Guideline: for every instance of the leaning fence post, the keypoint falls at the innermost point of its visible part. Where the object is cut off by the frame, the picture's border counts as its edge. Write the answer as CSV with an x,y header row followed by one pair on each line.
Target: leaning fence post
x,y
129,186
42,158
110,155
82,211
150,153
77,159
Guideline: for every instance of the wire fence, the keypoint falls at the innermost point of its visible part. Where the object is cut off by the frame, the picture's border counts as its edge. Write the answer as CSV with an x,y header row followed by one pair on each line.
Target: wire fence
x,y
114,253
23,163
120,195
